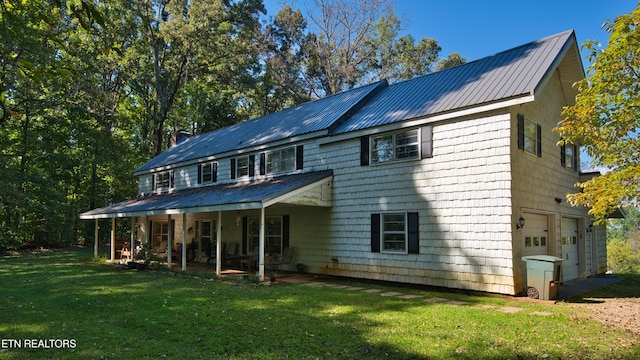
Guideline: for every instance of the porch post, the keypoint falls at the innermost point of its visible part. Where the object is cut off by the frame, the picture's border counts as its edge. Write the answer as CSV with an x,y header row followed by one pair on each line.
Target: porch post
x,y
169,241
184,242
147,230
132,241
96,242
113,239
219,244
261,243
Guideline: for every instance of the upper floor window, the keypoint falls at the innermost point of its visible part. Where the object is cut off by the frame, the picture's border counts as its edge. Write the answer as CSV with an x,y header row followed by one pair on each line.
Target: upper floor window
x,y
281,160
243,166
529,136
207,173
569,156
394,147
163,181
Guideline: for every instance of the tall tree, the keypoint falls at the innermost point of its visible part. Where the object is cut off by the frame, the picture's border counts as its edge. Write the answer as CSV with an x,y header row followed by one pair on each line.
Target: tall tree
x,y
182,37
605,119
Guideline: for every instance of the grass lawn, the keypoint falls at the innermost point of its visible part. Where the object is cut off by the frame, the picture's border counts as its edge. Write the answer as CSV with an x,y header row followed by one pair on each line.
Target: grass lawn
x,y
111,313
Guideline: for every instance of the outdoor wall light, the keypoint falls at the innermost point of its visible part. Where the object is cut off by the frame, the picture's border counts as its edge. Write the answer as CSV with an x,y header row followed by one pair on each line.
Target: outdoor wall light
x,y
520,223
590,228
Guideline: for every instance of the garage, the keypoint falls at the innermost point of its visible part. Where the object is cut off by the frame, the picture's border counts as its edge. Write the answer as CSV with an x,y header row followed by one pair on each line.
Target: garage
x,y
570,264
535,235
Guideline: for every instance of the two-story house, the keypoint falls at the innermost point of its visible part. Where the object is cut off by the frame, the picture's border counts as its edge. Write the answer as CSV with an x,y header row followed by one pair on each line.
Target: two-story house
x,y
447,179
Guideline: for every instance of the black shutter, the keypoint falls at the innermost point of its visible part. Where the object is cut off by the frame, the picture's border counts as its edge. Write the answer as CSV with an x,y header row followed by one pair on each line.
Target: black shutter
x,y
299,157
364,151
575,158
263,163
539,140
199,173
414,238
520,131
233,168
153,183
214,172
375,232
252,166
426,135
172,179
245,234
285,231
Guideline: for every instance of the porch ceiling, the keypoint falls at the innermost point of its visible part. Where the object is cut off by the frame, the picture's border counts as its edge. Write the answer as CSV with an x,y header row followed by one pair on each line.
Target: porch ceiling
x,y
305,189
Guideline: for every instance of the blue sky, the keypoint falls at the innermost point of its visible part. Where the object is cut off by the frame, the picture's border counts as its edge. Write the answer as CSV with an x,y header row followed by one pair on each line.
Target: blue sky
x,y
479,28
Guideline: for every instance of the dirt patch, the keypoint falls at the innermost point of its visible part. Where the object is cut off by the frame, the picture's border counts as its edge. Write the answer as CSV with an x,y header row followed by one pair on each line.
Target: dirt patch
x,y
614,312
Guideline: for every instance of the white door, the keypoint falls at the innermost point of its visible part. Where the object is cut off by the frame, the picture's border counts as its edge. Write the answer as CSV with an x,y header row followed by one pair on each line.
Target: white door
x,y
569,249
535,235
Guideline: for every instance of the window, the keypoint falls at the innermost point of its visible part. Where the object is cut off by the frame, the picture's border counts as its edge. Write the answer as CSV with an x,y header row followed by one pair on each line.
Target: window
x,y
243,166
569,156
163,181
281,160
395,233
529,136
395,147
207,173
276,234
535,241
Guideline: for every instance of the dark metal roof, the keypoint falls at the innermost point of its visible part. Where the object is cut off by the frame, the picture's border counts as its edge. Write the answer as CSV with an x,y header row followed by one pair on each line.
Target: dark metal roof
x,y
249,195
298,120
512,73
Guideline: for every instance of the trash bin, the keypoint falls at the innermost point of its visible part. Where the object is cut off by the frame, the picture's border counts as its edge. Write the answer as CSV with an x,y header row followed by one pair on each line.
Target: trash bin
x,y
542,276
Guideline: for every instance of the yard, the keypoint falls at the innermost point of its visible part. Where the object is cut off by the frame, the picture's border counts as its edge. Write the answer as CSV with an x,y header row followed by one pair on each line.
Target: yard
x,y
62,304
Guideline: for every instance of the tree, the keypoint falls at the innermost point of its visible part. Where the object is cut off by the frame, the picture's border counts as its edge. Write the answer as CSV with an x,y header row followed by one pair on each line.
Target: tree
x,y
180,38
606,118
339,45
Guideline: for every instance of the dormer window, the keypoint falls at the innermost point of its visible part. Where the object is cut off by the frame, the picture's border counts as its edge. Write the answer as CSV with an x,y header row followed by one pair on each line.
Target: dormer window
x,y
395,147
164,181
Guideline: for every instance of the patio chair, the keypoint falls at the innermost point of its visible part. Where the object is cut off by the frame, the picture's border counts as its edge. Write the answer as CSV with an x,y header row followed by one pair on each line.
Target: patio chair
x,y
285,259
230,254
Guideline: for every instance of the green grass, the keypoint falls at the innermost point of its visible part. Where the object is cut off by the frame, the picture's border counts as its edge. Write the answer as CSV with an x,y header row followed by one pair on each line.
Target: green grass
x,y
116,314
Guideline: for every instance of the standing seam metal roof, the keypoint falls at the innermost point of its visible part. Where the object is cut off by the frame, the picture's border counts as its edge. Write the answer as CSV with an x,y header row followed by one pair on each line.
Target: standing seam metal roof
x,y
505,75
512,73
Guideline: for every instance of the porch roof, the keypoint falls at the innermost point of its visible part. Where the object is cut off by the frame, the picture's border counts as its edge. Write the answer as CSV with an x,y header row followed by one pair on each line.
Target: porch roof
x,y
224,197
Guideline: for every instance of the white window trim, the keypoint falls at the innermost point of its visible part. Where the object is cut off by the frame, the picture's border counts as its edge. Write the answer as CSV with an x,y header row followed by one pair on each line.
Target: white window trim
x,y
213,167
159,180
405,233
394,134
238,176
280,151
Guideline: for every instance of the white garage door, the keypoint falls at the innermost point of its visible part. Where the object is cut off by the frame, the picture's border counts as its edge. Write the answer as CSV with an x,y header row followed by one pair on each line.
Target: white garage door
x,y
569,249
535,235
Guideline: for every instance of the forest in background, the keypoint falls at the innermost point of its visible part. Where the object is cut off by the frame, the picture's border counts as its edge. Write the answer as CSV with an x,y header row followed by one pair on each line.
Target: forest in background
x,y
91,90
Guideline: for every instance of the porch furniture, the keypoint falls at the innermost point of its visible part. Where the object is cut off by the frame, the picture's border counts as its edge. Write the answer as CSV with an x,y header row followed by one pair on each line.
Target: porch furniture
x,y
285,259
249,259
230,253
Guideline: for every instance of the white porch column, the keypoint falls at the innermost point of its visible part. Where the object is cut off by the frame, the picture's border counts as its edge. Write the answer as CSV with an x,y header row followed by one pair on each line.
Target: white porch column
x,y
219,244
132,241
261,244
169,241
184,242
147,230
96,241
113,239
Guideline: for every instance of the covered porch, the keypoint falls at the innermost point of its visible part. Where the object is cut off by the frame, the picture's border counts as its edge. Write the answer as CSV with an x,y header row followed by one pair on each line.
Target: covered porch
x,y
238,215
